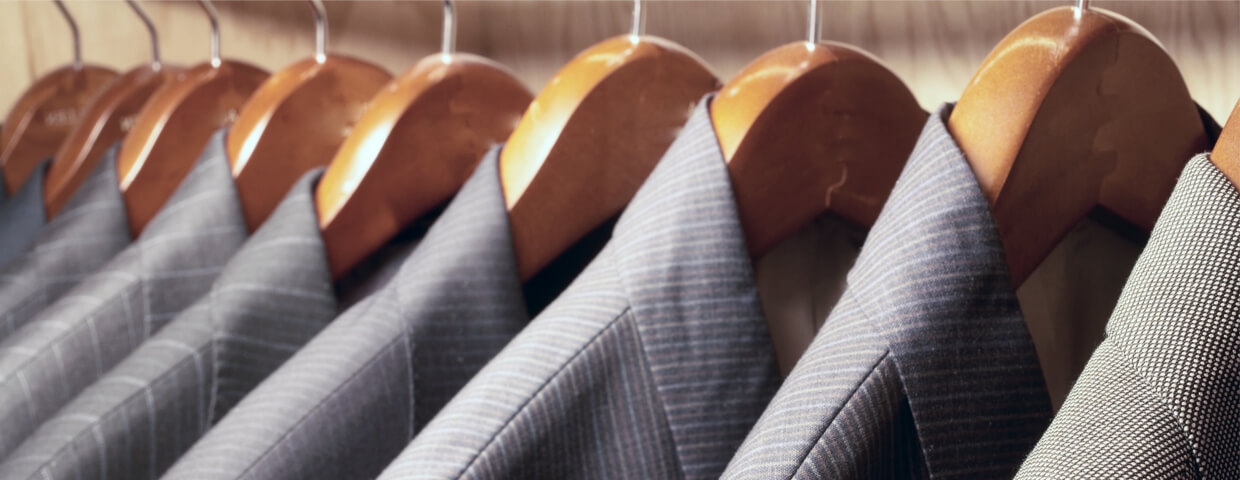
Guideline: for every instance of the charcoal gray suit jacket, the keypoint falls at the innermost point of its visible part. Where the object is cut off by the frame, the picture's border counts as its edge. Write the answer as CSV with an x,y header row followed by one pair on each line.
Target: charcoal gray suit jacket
x,y
653,364
77,339
22,216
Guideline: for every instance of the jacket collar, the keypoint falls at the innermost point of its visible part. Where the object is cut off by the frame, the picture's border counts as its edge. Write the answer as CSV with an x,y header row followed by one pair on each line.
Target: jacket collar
x,y
682,260
950,307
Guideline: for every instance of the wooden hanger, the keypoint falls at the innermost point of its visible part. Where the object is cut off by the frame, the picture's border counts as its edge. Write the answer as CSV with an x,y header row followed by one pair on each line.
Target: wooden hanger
x,y
1075,109
1226,154
592,136
173,128
105,122
296,121
813,126
419,140
46,112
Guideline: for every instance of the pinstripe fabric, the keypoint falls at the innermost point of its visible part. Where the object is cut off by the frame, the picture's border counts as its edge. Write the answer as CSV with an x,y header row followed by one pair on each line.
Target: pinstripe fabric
x,y
91,229
346,404
1160,398
271,298
22,216
74,341
653,364
924,368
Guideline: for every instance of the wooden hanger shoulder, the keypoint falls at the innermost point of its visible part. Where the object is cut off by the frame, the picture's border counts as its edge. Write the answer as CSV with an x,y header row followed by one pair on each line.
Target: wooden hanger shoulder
x,y
1070,112
173,128
811,127
38,123
105,122
1226,154
419,140
591,137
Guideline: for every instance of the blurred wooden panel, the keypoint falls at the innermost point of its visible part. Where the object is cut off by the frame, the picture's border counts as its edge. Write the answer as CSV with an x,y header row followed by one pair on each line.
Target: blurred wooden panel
x,y
934,45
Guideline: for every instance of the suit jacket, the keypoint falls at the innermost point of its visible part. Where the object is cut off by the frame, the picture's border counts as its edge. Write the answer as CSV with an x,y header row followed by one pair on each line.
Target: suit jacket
x,y
924,368
653,364
271,298
22,215
1160,398
77,339
346,404
90,230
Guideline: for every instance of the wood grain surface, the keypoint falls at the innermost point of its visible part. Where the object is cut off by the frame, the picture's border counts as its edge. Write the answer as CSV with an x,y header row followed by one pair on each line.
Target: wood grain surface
x,y
934,46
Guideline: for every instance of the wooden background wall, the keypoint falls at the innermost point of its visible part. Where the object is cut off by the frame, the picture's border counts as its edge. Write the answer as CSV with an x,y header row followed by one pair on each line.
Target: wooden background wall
x,y
935,46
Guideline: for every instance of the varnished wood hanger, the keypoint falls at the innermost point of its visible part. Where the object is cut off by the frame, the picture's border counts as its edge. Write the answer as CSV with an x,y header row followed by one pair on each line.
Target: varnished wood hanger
x,y
105,122
296,121
1076,108
592,136
810,127
813,126
173,128
1226,154
46,112
417,143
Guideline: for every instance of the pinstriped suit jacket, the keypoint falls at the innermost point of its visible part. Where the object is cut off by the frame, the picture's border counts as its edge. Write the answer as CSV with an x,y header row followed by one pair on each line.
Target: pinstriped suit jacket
x,y
271,298
924,368
91,229
22,216
74,341
653,364
1160,397
345,405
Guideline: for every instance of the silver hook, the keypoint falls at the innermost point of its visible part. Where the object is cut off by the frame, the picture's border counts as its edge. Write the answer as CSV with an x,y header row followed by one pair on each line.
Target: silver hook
x,y
150,27
214,16
639,19
814,34
1081,7
73,29
449,31
320,30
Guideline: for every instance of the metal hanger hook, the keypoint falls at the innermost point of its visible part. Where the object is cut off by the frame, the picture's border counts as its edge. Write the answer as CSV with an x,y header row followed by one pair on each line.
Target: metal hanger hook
x,y
449,31
214,17
73,30
813,36
320,30
150,27
639,18
1081,7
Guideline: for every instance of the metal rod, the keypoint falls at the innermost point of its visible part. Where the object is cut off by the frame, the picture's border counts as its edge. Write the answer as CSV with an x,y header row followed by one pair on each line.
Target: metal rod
x,y
449,30
214,17
73,29
150,27
320,30
813,34
639,18
1082,5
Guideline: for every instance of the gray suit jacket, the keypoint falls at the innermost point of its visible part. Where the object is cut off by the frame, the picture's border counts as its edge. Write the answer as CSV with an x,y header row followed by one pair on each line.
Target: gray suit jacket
x,y
271,298
88,232
1160,398
22,216
345,405
653,364
924,368
77,339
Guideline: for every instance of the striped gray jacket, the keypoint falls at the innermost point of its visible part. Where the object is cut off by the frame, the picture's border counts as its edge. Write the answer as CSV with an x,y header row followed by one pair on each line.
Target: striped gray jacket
x,y
89,231
271,298
77,339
